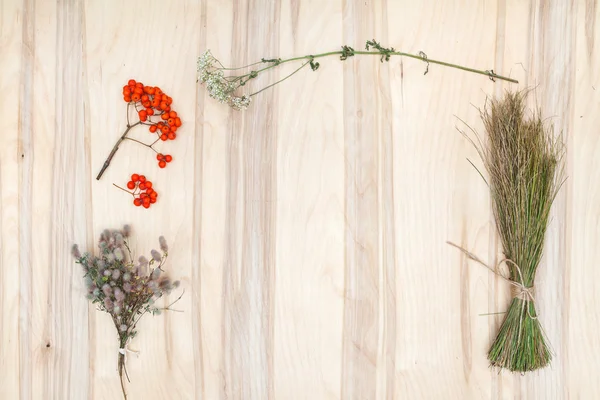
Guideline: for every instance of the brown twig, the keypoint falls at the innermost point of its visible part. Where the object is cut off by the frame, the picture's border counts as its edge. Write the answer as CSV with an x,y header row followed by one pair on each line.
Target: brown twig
x,y
115,148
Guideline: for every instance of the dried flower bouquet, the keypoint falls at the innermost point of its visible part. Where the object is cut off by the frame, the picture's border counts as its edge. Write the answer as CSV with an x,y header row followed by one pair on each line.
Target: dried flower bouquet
x,y
122,288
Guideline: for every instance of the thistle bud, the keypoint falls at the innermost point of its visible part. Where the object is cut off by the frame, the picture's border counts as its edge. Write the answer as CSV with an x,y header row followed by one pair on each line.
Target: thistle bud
x,y
163,244
156,256
75,251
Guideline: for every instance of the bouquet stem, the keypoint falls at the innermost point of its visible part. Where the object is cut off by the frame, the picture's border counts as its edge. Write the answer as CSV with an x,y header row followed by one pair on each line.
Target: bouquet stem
x,y
121,364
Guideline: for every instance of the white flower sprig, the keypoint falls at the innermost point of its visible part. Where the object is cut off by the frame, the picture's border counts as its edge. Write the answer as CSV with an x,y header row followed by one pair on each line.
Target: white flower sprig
x,y
223,88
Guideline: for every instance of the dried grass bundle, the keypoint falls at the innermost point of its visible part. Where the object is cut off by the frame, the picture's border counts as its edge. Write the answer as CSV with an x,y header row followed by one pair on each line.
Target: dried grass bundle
x,y
524,164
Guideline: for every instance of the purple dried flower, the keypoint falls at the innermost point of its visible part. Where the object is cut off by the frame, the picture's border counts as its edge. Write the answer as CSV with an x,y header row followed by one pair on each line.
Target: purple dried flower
x,y
108,304
127,287
75,251
106,289
119,295
156,255
123,328
163,244
115,274
107,272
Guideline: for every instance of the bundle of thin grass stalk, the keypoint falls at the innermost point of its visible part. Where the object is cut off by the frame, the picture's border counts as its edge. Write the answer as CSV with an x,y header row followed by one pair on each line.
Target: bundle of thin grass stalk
x,y
524,164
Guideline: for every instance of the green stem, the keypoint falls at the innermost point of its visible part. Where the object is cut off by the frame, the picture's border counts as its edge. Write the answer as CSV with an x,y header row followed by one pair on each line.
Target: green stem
x,y
281,80
395,53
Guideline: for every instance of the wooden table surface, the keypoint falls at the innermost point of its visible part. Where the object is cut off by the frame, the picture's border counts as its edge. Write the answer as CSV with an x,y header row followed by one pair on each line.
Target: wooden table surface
x,y
308,231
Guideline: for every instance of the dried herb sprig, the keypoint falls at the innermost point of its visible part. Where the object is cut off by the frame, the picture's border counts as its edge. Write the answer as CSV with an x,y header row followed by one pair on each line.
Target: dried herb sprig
x,y
223,88
524,164
122,288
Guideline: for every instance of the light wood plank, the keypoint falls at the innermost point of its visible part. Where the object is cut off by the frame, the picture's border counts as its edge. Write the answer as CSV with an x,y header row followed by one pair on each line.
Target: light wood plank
x,y
309,231
12,123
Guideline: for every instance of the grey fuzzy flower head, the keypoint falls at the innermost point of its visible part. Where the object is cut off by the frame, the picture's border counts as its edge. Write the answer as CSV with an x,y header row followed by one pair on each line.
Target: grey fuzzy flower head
x,y
143,261
110,258
107,272
118,254
163,244
123,328
75,251
127,287
126,276
156,274
119,239
126,231
156,255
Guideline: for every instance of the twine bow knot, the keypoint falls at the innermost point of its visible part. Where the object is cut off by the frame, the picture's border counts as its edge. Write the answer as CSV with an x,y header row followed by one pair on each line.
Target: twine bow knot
x,y
519,290
124,350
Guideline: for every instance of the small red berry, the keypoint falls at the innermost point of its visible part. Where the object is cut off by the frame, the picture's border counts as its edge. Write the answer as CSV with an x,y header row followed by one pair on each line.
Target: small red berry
x,y
162,164
148,185
168,158
131,185
137,202
135,177
143,186
142,178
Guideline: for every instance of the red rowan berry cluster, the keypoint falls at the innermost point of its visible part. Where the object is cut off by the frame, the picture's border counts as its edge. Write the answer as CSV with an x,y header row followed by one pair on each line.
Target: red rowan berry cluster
x,y
153,109
152,101
142,191
163,159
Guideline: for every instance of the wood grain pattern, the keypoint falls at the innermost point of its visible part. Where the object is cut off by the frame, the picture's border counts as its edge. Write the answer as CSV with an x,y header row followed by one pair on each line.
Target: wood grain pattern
x,y
309,231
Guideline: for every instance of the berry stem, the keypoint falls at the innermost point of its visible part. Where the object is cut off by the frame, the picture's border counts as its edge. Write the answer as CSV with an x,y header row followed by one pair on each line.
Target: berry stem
x,y
115,148
125,190
143,144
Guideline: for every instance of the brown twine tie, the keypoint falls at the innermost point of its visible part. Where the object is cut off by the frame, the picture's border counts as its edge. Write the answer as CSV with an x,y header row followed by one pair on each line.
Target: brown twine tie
x,y
518,290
